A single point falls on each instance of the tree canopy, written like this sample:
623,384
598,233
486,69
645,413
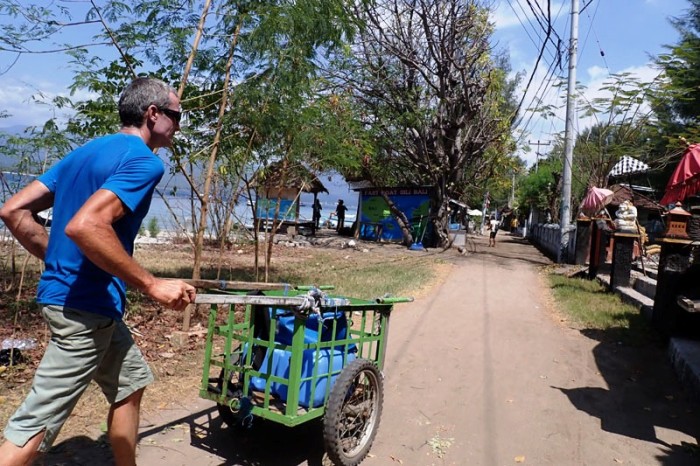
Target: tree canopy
425,83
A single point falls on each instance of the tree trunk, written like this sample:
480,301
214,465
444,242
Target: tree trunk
187,314
199,239
401,219
440,208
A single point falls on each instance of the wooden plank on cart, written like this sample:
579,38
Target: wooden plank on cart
690,305
250,299
236,285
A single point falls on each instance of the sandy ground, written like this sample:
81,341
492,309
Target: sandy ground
482,371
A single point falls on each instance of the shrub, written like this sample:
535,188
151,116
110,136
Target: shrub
153,228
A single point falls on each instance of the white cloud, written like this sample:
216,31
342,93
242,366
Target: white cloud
504,17
595,72
28,101
512,13
594,78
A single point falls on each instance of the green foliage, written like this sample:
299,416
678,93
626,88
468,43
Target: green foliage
623,126
153,228
676,100
679,107
541,187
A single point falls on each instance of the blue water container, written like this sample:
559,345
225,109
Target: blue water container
327,372
285,327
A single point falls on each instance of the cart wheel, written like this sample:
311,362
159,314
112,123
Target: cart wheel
353,411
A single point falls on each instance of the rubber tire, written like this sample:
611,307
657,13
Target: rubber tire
343,392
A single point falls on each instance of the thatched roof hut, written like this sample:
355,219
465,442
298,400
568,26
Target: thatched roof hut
278,187
289,176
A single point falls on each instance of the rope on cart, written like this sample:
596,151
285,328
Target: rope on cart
311,303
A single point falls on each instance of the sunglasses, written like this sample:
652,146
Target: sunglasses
172,114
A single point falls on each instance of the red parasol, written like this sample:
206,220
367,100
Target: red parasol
685,180
595,200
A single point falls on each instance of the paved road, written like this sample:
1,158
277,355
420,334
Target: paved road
501,380
482,372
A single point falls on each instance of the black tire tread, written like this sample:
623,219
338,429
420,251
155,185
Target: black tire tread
334,408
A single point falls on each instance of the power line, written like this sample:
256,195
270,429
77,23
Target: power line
591,28
544,88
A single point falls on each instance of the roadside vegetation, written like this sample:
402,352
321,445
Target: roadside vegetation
590,307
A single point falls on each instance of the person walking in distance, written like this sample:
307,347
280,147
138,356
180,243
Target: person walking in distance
493,229
340,213
100,193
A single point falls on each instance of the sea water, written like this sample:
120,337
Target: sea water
173,213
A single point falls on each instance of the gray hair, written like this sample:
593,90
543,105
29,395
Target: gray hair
138,96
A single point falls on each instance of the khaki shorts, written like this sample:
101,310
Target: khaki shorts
84,346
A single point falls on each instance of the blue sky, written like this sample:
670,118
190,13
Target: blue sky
628,31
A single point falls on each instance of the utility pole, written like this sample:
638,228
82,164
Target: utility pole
537,151
565,213
528,225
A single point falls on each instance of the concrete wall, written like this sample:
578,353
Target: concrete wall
547,237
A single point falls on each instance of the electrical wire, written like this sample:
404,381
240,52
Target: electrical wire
548,31
591,28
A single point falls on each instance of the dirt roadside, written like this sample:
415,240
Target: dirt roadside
482,371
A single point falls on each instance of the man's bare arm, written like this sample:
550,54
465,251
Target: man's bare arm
91,229
19,216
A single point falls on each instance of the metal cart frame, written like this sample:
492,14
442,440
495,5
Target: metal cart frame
336,375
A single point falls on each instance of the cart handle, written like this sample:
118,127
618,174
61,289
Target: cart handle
282,301
251,286
393,300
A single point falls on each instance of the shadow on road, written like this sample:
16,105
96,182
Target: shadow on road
644,400
264,443
79,451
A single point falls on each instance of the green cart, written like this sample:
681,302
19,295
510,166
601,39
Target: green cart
293,354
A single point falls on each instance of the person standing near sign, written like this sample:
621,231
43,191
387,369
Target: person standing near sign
316,215
340,213
100,193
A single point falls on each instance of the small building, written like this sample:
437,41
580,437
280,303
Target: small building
375,221
278,188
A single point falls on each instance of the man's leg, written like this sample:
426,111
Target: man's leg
123,376
78,341
12,455
123,424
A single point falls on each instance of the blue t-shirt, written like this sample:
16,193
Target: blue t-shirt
122,164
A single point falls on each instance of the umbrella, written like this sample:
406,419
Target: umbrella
474,212
595,200
685,180
628,165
